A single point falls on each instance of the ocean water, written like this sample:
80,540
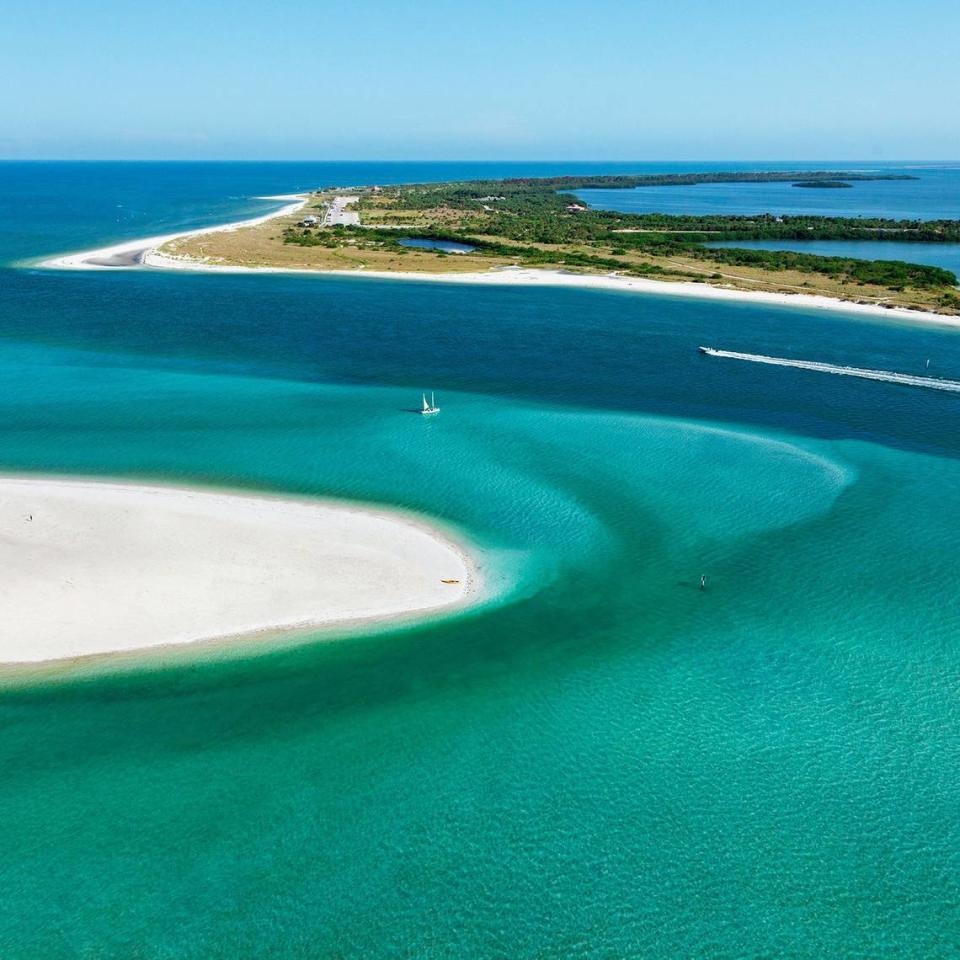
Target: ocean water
604,761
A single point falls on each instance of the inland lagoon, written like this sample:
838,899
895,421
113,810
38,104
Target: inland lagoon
446,246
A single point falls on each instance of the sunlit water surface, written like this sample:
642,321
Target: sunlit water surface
605,761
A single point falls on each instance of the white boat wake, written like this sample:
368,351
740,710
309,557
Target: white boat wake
887,376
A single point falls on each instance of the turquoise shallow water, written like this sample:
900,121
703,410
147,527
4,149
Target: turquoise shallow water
606,762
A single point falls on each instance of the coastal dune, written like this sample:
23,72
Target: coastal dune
94,568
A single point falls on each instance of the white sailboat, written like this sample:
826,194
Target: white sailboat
430,407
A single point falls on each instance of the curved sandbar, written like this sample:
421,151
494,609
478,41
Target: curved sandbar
132,253
93,568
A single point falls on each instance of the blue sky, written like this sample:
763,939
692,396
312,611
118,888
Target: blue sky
448,79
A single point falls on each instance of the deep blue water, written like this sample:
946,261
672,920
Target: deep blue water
607,763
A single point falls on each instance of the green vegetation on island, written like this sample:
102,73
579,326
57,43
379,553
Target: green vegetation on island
622,181
539,223
895,274
536,219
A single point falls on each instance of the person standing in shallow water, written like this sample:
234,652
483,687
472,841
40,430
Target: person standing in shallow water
703,581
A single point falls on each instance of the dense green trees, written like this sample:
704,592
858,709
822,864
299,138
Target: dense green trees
686,179
886,273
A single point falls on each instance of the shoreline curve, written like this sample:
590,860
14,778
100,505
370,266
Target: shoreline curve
99,568
135,252
144,253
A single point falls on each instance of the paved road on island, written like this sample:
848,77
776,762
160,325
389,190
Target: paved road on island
338,214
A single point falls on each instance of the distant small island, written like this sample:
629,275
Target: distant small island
631,181
824,184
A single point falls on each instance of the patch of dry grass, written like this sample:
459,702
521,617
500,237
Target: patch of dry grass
262,246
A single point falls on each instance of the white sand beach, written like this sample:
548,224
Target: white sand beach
522,276
534,277
96,567
132,253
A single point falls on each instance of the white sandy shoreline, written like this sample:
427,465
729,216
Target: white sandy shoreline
531,277
144,253
97,567
521,276
135,251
